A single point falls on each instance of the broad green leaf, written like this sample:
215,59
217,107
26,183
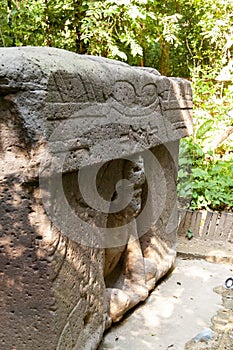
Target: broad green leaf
206,126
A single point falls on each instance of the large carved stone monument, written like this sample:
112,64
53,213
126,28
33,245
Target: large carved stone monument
88,217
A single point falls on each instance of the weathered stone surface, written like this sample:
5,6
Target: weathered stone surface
88,156
98,101
221,328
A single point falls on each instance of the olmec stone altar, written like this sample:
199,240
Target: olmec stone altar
88,224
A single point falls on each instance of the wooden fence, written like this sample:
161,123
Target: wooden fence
206,224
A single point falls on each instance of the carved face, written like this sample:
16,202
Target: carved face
134,100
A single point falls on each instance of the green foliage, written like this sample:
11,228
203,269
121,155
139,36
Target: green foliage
179,38
128,30
189,234
42,23
206,158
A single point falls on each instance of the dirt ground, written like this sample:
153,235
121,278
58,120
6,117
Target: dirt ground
188,301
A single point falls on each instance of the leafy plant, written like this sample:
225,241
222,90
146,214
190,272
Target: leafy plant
206,158
189,234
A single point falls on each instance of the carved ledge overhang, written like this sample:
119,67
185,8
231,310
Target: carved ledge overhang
81,105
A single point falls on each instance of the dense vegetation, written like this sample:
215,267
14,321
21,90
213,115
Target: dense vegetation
187,38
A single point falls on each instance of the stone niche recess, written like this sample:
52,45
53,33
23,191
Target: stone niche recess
88,217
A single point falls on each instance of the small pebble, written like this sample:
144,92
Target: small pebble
204,336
